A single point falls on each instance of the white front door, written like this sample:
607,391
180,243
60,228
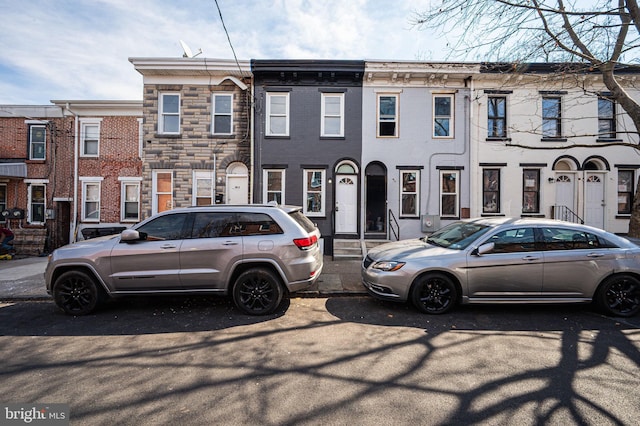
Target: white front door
594,200
237,189
565,196
346,204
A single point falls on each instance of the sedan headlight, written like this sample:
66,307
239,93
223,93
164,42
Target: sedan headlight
388,265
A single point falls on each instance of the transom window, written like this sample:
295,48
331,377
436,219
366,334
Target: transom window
169,113
222,114
497,117
332,115
277,112
443,116
387,115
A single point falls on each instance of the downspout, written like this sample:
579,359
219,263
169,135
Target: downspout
74,215
252,143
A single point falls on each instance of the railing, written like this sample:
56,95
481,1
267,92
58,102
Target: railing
566,214
395,230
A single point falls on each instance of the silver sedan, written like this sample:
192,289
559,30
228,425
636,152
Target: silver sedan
505,260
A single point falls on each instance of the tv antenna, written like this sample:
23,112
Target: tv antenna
187,51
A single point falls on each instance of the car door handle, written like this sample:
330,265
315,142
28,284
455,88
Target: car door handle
168,246
531,258
595,255
230,243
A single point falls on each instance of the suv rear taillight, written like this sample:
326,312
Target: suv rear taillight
305,243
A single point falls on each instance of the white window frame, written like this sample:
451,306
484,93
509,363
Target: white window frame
450,117
395,119
307,191
84,124
269,114
43,143
326,115
126,182
162,114
156,193
86,183
405,191
215,113
556,119
31,185
205,177
456,193
265,190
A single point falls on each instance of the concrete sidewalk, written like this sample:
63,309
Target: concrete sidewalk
23,279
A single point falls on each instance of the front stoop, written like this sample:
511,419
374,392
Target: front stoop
353,249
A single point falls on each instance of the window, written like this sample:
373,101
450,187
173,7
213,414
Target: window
449,189
90,135
36,204
203,188
215,224
409,185
162,191
570,239
514,241
222,114
443,116
169,119
625,191
606,118
277,114
531,191
314,192
274,186
497,117
91,201
3,201
491,191
387,115
130,205
551,118
37,142
332,115
167,227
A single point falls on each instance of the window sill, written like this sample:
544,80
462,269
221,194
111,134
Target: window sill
492,215
553,139
538,215
623,216
410,217
449,217
332,138
223,135
498,139
168,135
277,137
605,140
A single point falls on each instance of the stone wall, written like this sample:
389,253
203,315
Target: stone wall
29,241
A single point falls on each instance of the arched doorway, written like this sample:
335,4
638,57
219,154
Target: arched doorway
565,186
594,196
346,208
376,200
237,185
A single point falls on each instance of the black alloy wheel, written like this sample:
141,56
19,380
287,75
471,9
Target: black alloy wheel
619,296
76,293
434,293
257,291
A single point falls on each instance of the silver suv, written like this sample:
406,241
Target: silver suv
255,253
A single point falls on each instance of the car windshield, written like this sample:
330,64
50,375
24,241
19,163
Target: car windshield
457,236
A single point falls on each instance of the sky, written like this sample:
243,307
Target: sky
79,49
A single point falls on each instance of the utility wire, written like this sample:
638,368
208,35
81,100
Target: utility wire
228,38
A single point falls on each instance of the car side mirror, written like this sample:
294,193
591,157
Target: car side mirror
485,248
130,235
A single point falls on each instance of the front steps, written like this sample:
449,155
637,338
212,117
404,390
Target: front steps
353,249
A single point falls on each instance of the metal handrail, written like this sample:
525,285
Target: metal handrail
566,214
392,221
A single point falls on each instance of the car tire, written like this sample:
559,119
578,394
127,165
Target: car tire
76,293
257,291
434,293
619,296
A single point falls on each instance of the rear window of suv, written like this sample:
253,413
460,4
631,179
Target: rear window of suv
303,221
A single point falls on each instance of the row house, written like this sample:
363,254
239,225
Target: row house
308,140
196,132
548,141
64,170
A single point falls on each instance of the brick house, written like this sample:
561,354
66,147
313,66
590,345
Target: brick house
196,138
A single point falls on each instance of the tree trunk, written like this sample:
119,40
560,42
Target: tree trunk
634,222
